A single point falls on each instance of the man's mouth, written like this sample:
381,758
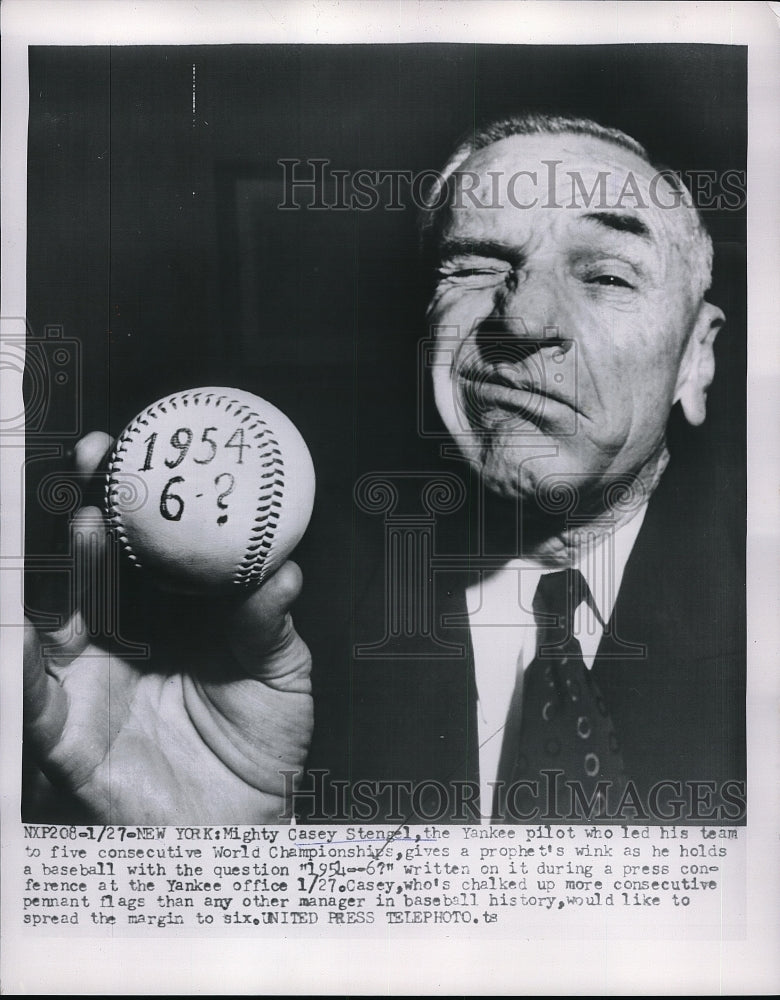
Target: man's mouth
508,387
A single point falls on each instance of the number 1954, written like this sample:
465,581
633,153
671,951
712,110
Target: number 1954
181,441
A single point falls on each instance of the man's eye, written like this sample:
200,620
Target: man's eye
610,280
469,272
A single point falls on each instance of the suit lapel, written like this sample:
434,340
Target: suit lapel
676,706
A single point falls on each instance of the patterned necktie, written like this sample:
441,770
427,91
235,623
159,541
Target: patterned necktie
565,724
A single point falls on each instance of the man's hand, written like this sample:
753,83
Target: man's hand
201,738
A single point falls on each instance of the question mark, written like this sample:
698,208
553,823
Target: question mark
222,519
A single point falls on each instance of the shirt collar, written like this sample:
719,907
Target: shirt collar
601,558
602,561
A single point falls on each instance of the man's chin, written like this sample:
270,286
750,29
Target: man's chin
545,484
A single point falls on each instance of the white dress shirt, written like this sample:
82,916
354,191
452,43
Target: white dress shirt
503,630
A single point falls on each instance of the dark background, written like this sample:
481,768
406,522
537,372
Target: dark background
156,245
135,211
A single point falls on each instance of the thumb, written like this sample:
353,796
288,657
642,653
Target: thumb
262,636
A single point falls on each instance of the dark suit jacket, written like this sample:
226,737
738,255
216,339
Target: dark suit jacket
671,667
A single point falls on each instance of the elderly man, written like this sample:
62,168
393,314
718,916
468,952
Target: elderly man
589,672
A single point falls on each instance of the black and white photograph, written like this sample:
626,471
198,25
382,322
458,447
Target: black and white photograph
349,234
384,415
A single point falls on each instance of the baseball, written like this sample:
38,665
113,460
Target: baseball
209,489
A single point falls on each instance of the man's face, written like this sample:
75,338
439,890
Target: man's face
562,328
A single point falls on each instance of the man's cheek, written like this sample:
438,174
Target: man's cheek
643,363
622,354
461,309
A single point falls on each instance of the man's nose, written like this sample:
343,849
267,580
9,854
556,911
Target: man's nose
526,318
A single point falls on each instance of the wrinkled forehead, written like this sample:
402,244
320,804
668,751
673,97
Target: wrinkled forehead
546,181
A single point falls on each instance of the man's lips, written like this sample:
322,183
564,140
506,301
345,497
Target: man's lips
508,387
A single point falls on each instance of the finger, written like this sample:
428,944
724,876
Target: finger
89,541
91,450
89,534
45,701
262,636
90,590
261,625
51,592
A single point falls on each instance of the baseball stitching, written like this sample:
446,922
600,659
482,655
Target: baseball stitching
253,567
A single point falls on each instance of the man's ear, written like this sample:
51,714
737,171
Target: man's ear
697,368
